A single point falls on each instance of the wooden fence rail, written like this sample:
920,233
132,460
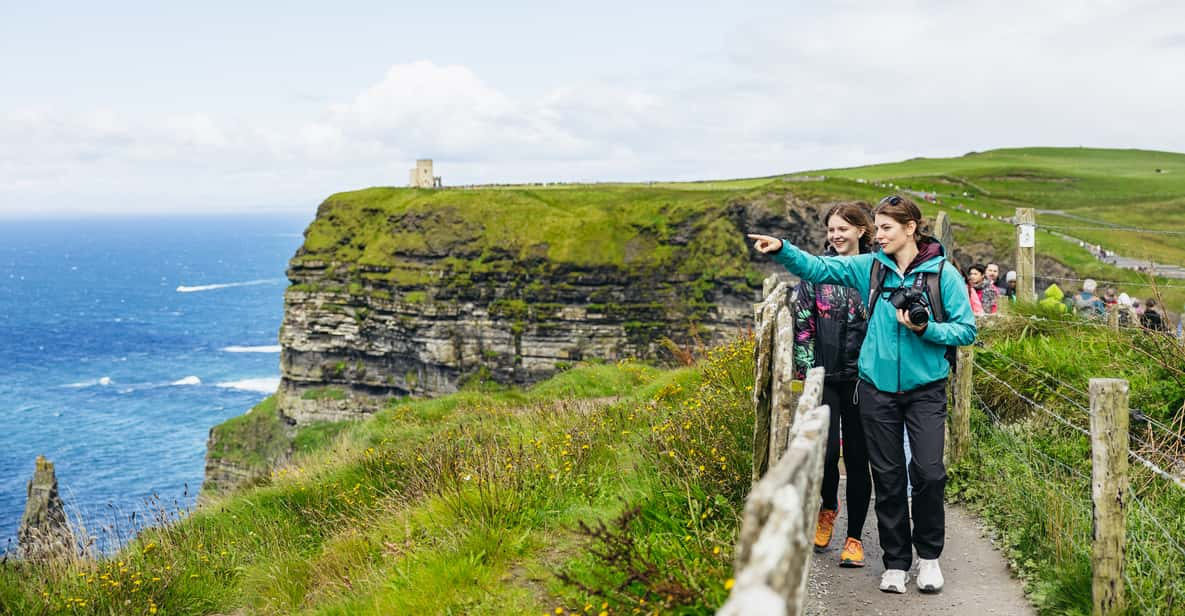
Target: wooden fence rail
774,546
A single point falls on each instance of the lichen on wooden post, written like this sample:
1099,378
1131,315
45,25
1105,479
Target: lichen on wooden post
946,236
785,392
1109,485
960,419
763,349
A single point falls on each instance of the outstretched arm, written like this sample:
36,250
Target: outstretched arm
847,271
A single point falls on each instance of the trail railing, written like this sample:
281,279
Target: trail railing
774,547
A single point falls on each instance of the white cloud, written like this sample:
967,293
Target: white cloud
858,82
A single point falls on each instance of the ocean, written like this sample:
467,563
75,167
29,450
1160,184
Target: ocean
123,341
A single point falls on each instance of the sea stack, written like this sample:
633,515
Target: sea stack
44,532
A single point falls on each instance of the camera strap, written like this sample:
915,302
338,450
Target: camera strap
929,283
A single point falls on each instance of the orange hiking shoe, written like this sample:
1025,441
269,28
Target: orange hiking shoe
853,554
824,528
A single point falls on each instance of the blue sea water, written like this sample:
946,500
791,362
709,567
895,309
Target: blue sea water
122,342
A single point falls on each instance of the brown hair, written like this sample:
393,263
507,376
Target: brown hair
858,215
903,210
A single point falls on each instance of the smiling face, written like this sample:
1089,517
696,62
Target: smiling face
843,235
993,272
892,235
974,276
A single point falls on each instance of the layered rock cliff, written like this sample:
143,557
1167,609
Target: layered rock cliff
399,292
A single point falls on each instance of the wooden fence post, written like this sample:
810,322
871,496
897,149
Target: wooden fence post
785,390
1109,481
1113,316
762,372
960,420
1026,255
946,237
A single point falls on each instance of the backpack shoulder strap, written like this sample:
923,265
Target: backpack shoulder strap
876,283
934,294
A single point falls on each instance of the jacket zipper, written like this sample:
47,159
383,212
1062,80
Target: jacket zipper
898,357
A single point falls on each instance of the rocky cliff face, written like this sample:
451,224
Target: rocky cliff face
44,532
438,312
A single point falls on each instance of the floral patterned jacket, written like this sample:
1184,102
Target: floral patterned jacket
829,326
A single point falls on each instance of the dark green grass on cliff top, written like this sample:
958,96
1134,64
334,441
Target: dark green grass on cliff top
615,226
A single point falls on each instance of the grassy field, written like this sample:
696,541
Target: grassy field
1133,188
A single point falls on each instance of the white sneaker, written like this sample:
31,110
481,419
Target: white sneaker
893,580
929,575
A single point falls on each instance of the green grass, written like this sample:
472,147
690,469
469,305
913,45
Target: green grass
325,393
464,504
1028,473
251,439
1120,187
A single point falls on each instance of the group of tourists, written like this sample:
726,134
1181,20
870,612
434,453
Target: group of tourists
879,312
1089,304
987,295
985,291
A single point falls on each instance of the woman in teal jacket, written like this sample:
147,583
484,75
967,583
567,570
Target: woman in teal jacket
902,372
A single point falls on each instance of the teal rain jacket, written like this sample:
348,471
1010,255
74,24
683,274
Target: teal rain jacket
893,358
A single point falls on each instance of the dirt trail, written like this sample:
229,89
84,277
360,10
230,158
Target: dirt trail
977,577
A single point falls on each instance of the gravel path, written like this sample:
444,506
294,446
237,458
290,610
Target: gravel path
978,580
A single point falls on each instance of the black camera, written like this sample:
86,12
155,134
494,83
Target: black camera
913,302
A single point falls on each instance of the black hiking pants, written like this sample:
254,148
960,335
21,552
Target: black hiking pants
845,413
922,412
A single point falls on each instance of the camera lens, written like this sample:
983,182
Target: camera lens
918,315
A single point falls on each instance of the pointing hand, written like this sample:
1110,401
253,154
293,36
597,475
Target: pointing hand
765,243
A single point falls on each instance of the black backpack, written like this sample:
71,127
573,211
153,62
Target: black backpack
930,283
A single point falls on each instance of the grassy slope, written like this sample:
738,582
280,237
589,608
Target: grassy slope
463,504
1120,187
1029,474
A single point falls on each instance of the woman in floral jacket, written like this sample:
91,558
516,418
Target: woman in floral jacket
829,326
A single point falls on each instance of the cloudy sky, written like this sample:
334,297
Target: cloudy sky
135,108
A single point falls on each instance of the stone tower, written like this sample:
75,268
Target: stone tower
421,176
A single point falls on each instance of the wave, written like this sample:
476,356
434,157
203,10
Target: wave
189,380
265,385
275,348
226,285
91,383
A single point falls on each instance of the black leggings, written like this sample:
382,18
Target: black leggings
846,413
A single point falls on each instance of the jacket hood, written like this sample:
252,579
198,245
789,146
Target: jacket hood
1054,292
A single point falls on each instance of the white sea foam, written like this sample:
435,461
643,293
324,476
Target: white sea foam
275,348
265,385
226,285
104,381
189,380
